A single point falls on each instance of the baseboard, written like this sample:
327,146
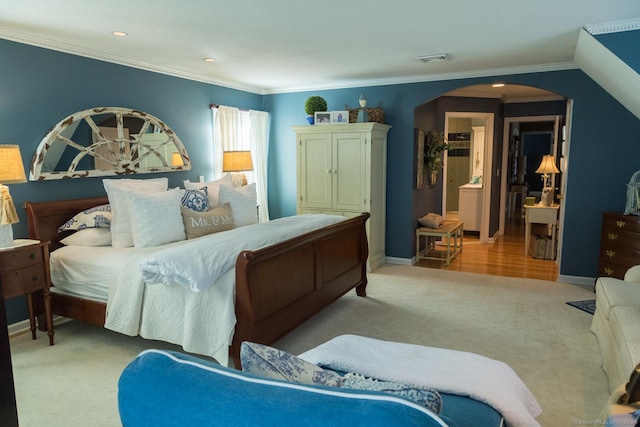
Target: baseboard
577,280
18,328
23,326
401,261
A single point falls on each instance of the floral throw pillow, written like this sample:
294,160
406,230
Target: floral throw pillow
426,397
196,200
272,363
95,217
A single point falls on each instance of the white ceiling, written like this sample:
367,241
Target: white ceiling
279,46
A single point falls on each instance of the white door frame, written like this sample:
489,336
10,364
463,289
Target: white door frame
487,168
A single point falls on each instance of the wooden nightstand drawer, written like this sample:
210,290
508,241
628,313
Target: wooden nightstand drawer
23,280
21,257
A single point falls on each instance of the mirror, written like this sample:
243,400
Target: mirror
108,141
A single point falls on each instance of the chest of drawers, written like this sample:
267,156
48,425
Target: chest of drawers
619,244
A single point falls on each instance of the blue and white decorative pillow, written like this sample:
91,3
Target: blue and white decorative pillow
426,397
272,363
196,200
96,217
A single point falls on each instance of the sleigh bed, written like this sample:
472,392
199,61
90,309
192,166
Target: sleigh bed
277,287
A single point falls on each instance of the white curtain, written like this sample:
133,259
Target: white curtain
228,136
259,139
225,135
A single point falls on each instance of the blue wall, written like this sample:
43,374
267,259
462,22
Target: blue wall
624,45
604,154
39,87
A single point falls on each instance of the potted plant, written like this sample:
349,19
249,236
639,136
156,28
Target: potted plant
313,104
434,146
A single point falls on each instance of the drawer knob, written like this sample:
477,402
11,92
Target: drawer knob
612,236
32,256
621,224
611,254
34,278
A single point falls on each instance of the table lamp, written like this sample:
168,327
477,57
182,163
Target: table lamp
11,172
237,161
546,168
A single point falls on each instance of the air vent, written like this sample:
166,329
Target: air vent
433,58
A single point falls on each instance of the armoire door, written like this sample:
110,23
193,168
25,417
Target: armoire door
315,171
350,176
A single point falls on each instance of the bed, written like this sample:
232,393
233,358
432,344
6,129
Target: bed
277,287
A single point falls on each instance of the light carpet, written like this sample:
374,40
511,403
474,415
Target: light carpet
525,323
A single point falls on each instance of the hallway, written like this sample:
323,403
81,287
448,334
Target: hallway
504,257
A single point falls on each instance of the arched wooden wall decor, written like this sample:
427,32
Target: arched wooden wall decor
108,141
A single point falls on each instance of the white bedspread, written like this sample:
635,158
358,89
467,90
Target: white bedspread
449,371
196,264
201,322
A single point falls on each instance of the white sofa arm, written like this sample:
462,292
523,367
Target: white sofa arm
633,274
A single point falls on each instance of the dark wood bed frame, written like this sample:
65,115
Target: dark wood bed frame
277,287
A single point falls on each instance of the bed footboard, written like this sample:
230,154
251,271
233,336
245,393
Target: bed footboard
281,286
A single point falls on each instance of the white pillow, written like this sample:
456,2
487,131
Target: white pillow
89,237
117,190
213,188
156,218
243,203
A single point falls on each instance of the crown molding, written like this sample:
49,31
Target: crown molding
540,68
107,57
114,59
613,27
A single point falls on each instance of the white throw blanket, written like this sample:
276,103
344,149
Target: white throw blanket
202,322
449,371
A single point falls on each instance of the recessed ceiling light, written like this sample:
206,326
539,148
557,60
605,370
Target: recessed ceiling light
497,85
433,58
119,33
209,60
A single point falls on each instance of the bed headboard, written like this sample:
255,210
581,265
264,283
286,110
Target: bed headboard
44,218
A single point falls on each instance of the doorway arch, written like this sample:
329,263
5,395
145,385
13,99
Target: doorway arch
512,100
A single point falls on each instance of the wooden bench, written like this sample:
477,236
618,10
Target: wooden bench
447,231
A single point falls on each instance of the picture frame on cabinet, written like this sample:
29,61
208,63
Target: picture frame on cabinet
322,117
339,117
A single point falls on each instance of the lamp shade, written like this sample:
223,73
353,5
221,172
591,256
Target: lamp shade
176,159
11,167
237,161
548,165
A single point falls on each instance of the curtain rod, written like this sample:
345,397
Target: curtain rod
217,105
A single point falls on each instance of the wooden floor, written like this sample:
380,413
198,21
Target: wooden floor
504,257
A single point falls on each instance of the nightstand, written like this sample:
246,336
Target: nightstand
24,269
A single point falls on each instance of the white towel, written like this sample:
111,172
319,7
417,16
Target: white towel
449,371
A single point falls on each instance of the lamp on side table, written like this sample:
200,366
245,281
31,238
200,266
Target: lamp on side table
11,172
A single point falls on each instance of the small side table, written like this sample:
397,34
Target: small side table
24,269
448,230
540,214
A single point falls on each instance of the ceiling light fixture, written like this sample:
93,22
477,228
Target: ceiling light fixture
119,33
209,60
433,58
